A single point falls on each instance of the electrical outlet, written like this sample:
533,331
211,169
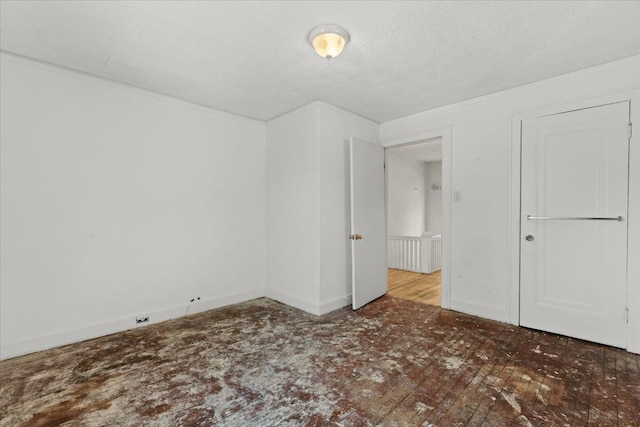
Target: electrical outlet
142,318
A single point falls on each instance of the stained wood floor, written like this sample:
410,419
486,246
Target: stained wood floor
422,288
394,362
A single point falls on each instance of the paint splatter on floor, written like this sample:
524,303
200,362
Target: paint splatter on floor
261,363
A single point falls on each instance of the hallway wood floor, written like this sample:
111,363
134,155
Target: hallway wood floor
394,362
418,287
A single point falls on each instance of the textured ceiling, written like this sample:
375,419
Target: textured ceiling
253,58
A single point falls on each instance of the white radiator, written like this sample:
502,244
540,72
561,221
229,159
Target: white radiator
419,254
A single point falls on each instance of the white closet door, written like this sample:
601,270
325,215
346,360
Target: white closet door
575,175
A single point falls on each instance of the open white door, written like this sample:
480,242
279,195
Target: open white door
368,226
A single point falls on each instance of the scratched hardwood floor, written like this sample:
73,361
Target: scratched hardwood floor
418,287
395,362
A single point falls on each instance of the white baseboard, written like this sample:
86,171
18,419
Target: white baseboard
335,304
293,302
307,306
31,345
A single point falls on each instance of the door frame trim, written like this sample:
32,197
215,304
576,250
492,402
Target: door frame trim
633,269
445,133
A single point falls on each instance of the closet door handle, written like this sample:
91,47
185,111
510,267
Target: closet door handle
573,218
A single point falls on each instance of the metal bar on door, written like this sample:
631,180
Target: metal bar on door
572,218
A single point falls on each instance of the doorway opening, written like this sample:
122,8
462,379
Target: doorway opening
414,194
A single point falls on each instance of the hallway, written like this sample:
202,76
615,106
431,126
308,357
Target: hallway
422,288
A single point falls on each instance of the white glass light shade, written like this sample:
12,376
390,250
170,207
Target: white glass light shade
328,40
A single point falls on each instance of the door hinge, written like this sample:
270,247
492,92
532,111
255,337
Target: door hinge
626,315
630,129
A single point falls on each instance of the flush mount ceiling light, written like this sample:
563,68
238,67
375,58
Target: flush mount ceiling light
328,40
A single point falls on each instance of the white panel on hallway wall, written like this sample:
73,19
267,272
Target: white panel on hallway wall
414,196
118,202
406,182
433,197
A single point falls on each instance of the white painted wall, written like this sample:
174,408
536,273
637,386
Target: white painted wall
482,251
293,208
336,127
413,206
308,254
118,202
433,197
406,194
